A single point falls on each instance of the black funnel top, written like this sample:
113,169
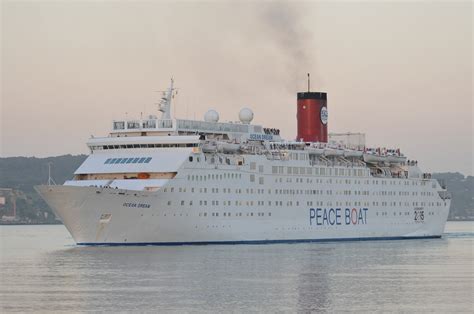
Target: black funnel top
312,95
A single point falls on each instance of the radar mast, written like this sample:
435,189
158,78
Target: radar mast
165,102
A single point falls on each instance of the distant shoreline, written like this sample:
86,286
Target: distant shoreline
19,223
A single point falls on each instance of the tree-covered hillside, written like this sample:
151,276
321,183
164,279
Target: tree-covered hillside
22,173
462,190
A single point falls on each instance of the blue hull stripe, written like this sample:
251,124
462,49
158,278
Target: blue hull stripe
255,241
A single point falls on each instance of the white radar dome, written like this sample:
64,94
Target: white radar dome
246,115
211,116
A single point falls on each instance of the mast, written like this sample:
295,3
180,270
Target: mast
165,103
309,83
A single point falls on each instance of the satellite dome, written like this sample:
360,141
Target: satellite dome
211,116
246,115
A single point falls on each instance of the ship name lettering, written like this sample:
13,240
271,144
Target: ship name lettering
336,216
136,205
261,137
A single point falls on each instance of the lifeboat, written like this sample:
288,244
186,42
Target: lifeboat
315,149
209,147
395,157
353,153
333,151
227,147
374,158
374,155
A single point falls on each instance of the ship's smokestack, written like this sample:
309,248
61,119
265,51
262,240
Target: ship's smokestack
312,116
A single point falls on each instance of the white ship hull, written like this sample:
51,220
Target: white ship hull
97,216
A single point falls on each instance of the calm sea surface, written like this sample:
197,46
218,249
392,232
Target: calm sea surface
42,270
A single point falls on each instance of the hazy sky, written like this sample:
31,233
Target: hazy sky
401,72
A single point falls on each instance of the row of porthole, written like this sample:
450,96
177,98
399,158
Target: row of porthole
227,214
214,176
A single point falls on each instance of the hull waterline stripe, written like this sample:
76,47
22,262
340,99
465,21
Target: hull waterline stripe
254,241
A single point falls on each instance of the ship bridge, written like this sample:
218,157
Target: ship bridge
159,127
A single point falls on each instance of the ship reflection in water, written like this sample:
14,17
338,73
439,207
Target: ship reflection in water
39,274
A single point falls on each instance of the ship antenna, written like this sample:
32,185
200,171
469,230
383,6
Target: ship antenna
309,81
165,103
50,178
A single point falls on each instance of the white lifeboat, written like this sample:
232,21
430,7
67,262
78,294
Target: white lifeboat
209,147
394,156
315,149
228,147
374,156
353,153
333,151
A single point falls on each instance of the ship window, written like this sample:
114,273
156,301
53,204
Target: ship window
107,161
124,160
129,160
147,160
119,125
135,160
141,160
118,161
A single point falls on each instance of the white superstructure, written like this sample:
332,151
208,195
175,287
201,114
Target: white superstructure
175,181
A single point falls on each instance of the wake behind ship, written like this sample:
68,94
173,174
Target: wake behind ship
176,181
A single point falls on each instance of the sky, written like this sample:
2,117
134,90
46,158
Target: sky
400,72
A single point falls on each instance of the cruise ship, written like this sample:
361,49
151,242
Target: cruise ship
166,181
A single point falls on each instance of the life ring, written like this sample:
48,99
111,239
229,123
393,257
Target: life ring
143,175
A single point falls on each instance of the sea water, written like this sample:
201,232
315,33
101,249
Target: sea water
41,269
